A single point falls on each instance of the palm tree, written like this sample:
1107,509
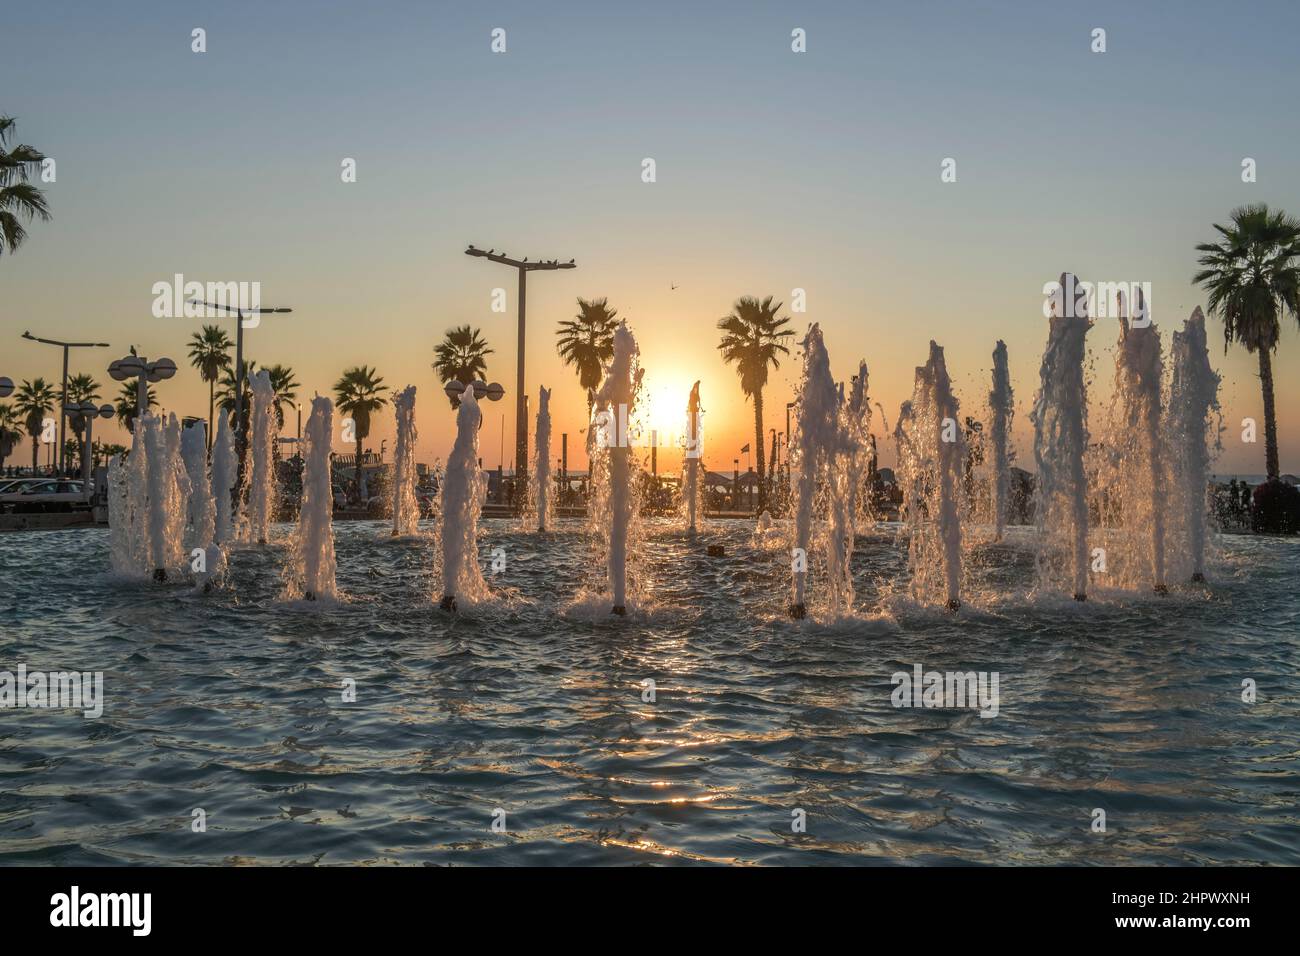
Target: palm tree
284,388
225,394
18,197
33,401
587,342
1253,279
81,388
9,433
753,338
210,353
461,357
126,404
358,393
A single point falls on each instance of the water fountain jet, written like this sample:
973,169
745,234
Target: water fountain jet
817,404
617,399
406,508
461,498
1060,417
541,477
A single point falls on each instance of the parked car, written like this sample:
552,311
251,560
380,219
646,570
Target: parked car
47,495
12,485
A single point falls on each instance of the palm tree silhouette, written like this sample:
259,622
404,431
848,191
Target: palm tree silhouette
587,342
209,353
81,388
33,401
1253,279
752,340
284,388
461,357
358,393
9,433
125,405
18,197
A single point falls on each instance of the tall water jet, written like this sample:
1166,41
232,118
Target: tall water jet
816,432
617,399
201,520
1002,405
406,508
224,474
541,477
313,561
931,450
691,456
164,516
1060,418
844,486
1139,368
461,498
261,488
1193,398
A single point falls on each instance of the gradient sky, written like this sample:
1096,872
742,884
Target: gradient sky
776,170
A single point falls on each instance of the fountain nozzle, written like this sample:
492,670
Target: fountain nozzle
159,575
1081,597
798,612
448,603
1198,578
309,596
619,609
1161,589
953,604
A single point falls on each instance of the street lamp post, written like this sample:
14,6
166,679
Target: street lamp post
521,416
241,435
63,393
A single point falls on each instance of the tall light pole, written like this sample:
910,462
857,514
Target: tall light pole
521,414
63,394
241,435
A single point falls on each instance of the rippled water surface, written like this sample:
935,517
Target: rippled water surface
232,702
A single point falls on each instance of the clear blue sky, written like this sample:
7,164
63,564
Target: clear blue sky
775,170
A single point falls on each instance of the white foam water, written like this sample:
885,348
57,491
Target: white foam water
844,486
540,481
224,474
692,454
1193,439
617,400
312,563
1136,446
406,507
816,434
1060,418
461,498
200,513
261,488
931,451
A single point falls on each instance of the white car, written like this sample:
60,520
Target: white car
51,494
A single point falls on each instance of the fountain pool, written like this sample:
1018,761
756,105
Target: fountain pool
232,701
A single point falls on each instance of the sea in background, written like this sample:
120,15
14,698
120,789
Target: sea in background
533,704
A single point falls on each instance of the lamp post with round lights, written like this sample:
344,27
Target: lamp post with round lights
494,392
144,371
87,412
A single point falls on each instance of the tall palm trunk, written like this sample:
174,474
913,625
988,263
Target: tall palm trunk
359,466
212,400
758,445
1270,414
35,453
